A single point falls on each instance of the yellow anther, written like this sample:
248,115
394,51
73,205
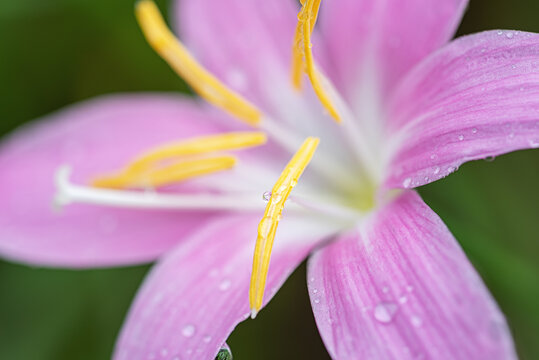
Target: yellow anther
169,174
196,146
303,59
205,84
268,225
164,165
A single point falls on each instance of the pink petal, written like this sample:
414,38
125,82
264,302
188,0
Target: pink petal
385,37
400,287
246,43
195,297
94,137
475,98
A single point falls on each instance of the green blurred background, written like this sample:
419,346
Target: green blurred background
58,52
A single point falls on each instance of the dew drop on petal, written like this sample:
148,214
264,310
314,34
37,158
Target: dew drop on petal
164,352
409,288
416,321
266,196
407,182
534,143
509,35
474,131
317,301
224,353
384,312
206,339
499,32
461,137
436,170
315,291
225,285
490,158
403,299
188,330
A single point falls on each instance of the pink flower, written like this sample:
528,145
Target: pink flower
386,278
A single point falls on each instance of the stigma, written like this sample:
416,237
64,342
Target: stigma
267,227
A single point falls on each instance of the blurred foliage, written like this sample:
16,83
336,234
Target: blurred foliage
58,52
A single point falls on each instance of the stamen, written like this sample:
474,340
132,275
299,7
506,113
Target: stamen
161,165
298,63
205,84
303,56
197,146
166,175
268,225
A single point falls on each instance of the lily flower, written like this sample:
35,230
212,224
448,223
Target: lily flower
338,122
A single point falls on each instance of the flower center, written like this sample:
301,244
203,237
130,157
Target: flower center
176,162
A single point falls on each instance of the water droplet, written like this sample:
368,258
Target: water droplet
426,178
164,352
474,131
407,182
237,79
433,156
266,196
264,227
403,299
451,169
416,321
509,35
275,198
315,291
188,330
384,312
206,339
409,288
534,143
224,354
490,158
461,137
436,170
311,279
225,285
317,301
499,32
